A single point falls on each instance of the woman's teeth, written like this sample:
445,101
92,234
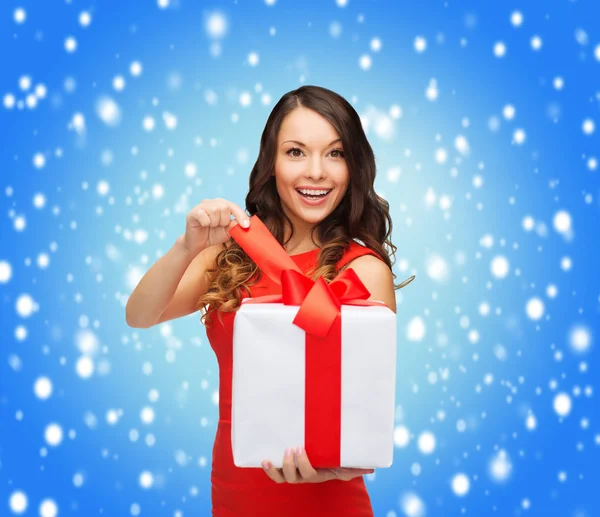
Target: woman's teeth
313,194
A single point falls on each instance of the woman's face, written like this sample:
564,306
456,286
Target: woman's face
310,160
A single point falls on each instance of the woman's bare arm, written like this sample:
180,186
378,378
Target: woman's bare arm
377,277
171,287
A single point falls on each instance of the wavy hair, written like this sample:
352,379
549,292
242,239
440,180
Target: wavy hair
361,214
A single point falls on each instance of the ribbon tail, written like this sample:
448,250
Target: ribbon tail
262,247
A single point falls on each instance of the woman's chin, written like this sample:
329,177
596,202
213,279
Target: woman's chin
312,216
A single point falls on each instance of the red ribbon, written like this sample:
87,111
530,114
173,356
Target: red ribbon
320,317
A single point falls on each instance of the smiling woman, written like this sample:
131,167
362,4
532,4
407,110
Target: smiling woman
313,188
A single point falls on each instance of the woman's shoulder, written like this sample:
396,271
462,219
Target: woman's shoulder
356,249
373,271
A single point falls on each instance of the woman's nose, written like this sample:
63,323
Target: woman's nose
315,169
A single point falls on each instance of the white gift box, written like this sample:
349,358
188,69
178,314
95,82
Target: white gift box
268,390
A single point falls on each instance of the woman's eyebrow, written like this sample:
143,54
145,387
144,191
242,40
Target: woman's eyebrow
304,145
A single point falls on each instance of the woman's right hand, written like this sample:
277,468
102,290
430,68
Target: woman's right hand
298,469
207,223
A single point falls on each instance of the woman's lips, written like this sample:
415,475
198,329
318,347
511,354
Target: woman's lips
314,202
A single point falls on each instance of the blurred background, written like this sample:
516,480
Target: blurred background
117,117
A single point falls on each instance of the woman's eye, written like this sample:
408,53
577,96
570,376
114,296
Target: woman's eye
340,153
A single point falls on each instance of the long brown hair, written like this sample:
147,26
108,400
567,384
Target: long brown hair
361,214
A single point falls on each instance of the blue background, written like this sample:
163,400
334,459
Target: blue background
470,379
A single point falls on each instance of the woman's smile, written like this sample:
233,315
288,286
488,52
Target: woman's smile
313,196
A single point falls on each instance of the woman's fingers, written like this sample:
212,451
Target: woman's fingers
232,223
289,466
203,217
287,474
218,212
306,469
215,218
240,215
224,215
348,473
272,472
298,469
212,208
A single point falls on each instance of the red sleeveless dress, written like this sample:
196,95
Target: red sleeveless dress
247,492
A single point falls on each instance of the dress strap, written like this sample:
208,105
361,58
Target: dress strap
356,250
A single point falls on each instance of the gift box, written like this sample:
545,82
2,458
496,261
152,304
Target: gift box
314,366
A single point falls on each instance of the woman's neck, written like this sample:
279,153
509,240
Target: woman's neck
301,240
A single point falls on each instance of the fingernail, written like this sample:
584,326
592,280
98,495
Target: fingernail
245,223
289,451
266,465
299,451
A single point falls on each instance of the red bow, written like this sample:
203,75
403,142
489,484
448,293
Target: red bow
320,303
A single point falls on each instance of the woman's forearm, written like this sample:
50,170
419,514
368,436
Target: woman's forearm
157,287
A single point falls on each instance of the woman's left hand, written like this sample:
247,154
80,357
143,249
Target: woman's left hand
305,473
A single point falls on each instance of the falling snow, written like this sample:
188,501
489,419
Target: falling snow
485,134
